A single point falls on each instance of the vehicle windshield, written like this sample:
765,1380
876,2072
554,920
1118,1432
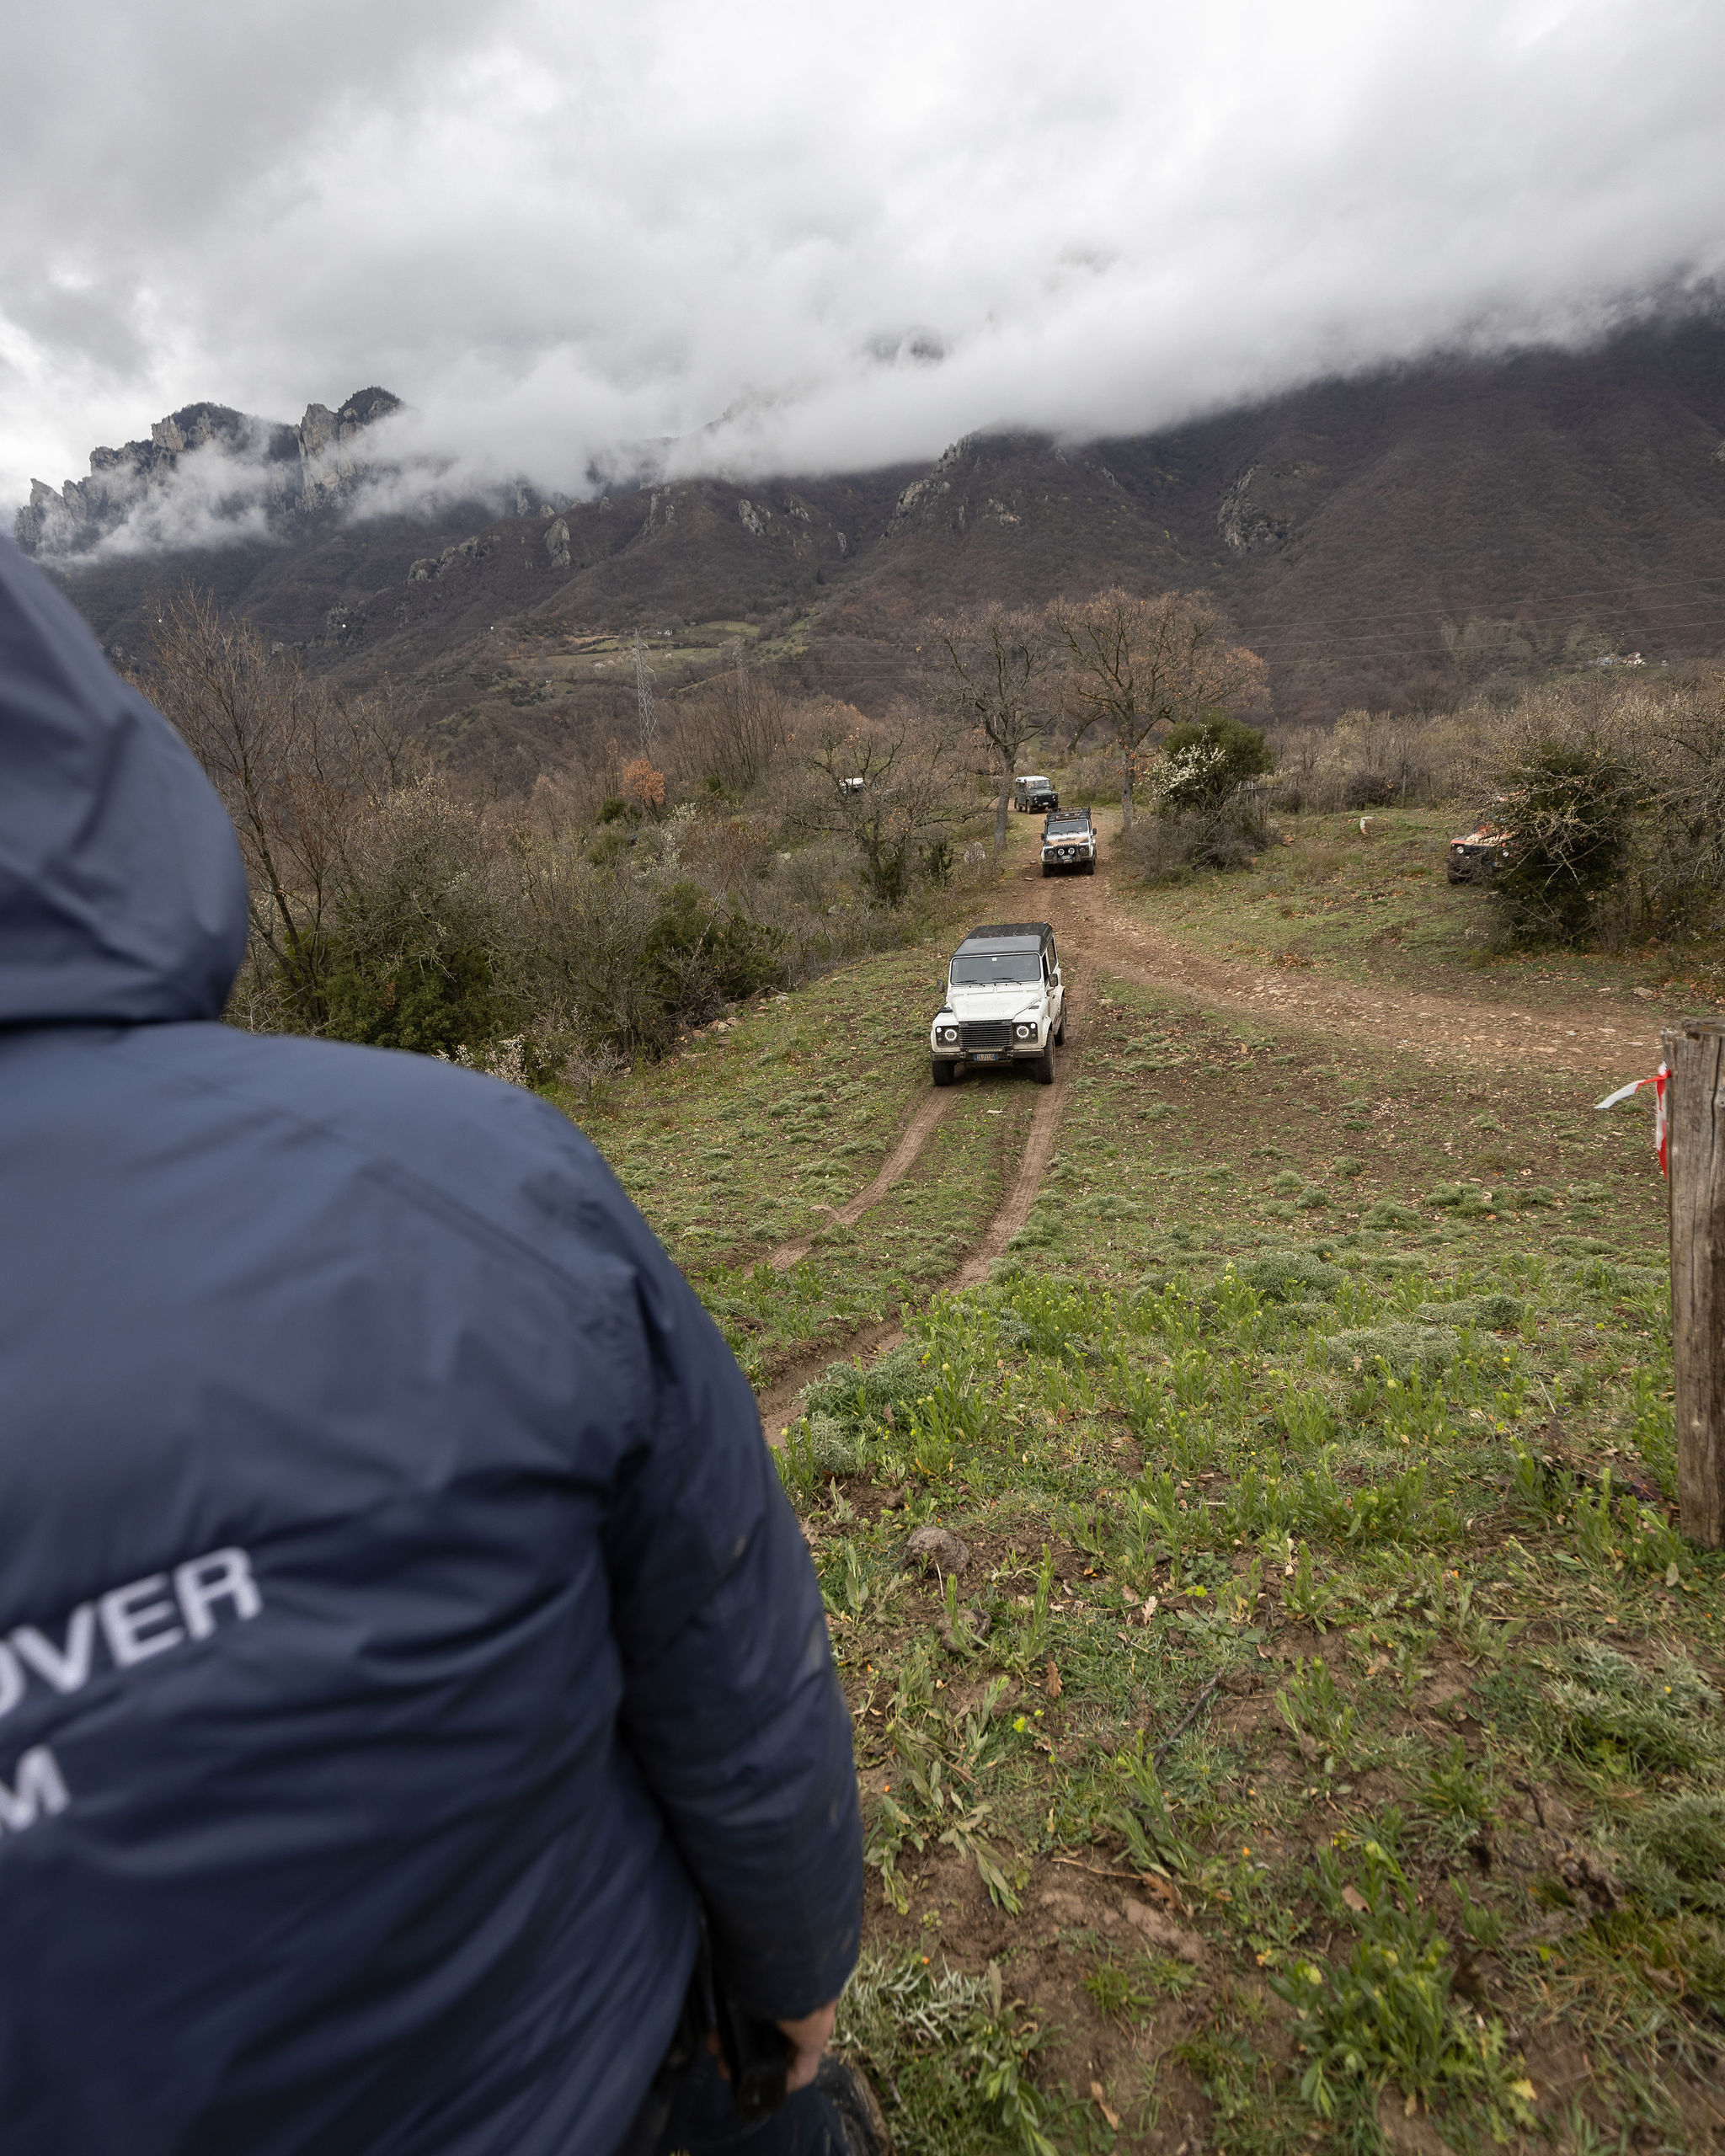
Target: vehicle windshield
1059,827
996,969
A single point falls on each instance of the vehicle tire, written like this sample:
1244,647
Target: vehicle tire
1090,867
1043,1065
1046,870
1060,1030
941,1071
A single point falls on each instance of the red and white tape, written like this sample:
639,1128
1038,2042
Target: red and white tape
1660,1078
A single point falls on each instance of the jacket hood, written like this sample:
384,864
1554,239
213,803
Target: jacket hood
122,894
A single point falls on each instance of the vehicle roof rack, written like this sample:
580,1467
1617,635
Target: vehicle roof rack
1009,931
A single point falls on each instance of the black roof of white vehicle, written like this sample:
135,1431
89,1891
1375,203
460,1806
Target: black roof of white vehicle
1009,935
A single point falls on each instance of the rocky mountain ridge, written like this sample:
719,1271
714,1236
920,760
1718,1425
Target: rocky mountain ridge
277,466
1392,539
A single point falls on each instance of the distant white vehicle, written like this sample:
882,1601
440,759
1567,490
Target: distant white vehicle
1006,1002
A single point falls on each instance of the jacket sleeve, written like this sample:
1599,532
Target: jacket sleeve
732,1705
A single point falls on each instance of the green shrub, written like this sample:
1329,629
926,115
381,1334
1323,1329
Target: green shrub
411,948
1048,1316
836,1448
1664,1719
1428,1349
1289,1276
1571,809
1205,762
817,1446
852,1399
698,954
1387,1214
434,1000
1497,1312
1494,1312
1204,817
1674,1856
948,2054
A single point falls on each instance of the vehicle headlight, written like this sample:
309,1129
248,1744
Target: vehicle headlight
949,1035
1025,1030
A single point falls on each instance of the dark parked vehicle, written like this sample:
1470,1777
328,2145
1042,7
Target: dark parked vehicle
1034,795
1476,858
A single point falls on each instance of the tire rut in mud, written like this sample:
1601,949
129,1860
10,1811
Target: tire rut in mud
912,1138
780,1396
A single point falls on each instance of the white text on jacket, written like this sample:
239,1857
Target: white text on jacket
144,1618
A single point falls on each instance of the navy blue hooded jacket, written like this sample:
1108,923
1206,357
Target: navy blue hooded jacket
401,1622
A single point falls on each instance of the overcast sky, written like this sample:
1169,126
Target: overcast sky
847,236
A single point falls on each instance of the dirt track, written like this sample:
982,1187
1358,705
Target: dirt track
916,1134
1014,1209
1052,902
1615,1035
1097,936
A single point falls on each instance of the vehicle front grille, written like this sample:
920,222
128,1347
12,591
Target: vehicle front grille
986,1034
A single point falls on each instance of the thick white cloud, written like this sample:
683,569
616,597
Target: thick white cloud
563,234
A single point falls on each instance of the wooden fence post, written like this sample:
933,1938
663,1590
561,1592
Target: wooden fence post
1695,1054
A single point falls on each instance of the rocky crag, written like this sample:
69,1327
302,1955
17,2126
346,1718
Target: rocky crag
256,469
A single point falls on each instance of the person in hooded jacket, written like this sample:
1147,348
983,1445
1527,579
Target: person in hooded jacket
403,1637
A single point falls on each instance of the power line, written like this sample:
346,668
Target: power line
644,679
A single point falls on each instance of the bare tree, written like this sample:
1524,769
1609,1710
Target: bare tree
732,726
1134,666
1687,783
989,666
889,785
296,763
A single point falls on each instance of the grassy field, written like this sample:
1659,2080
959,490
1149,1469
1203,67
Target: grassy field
1299,1725
1374,905
751,1137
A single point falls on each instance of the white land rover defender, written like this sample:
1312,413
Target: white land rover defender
1069,841
1004,1002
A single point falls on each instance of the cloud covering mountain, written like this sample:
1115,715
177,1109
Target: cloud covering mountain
764,237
